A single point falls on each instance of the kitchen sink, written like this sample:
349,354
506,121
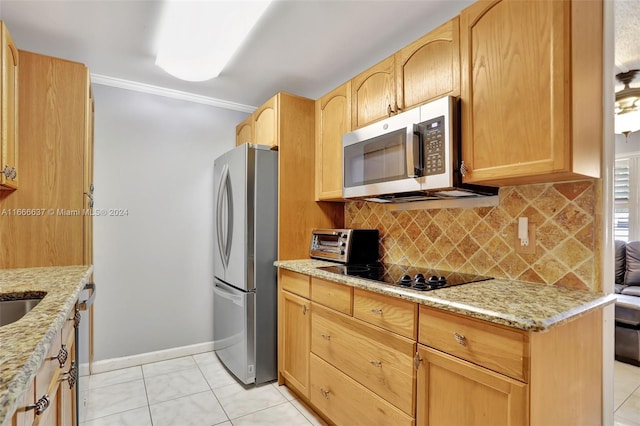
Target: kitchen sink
12,310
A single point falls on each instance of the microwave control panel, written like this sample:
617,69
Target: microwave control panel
434,146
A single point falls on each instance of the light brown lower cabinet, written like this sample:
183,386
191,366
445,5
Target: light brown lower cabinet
51,398
394,362
295,323
456,392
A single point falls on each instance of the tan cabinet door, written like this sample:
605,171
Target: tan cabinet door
373,93
523,63
295,333
265,123
333,119
244,131
429,68
9,121
455,392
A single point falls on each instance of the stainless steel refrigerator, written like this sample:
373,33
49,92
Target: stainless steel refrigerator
245,283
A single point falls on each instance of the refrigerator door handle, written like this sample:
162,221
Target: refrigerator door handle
226,294
224,222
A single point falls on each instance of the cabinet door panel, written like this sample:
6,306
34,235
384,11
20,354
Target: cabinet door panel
333,119
295,325
429,67
455,392
514,58
9,125
265,123
373,92
244,131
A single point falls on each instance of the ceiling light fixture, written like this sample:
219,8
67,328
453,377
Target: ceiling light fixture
627,105
198,38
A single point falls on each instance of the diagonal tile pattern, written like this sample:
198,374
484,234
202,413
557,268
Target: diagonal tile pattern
481,240
188,391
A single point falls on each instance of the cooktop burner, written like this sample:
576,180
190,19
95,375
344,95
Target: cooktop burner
416,278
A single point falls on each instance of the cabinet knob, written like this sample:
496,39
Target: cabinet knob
63,354
71,376
417,360
40,406
463,169
389,110
304,309
326,336
325,393
376,363
76,319
376,311
460,339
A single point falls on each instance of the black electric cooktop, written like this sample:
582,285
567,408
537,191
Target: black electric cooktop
417,278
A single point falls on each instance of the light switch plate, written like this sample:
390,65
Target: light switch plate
531,247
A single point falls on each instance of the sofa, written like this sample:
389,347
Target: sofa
627,310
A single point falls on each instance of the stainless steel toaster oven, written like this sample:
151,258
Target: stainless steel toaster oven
345,245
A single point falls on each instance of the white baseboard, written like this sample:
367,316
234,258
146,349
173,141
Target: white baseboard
145,358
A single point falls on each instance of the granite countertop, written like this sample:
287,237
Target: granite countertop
521,305
25,343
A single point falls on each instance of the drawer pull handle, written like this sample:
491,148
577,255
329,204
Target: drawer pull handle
376,363
460,339
63,354
304,309
76,319
71,376
40,406
326,336
377,311
325,393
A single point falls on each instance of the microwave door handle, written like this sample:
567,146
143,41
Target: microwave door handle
414,160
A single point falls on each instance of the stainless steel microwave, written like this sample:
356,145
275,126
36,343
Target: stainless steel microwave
410,156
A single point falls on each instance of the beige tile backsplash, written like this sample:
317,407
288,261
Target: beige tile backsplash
482,240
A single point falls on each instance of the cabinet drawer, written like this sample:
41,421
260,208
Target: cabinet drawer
50,366
334,295
390,313
68,335
496,348
380,360
295,283
346,402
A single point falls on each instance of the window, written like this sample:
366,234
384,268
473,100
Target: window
626,214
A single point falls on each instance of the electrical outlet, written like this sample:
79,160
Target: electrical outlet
529,248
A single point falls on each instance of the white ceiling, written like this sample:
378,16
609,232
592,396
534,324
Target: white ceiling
305,47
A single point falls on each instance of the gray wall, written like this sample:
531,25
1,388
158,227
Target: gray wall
154,265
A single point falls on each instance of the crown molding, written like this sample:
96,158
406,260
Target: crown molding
169,93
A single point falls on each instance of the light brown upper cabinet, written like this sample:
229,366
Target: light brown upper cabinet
9,119
244,131
426,69
429,67
531,89
333,119
265,123
373,93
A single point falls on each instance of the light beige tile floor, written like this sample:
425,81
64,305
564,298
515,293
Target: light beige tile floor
189,391
198,391
626,394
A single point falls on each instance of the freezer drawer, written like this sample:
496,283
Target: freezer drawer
234,330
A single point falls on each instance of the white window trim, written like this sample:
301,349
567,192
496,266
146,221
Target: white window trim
634,193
